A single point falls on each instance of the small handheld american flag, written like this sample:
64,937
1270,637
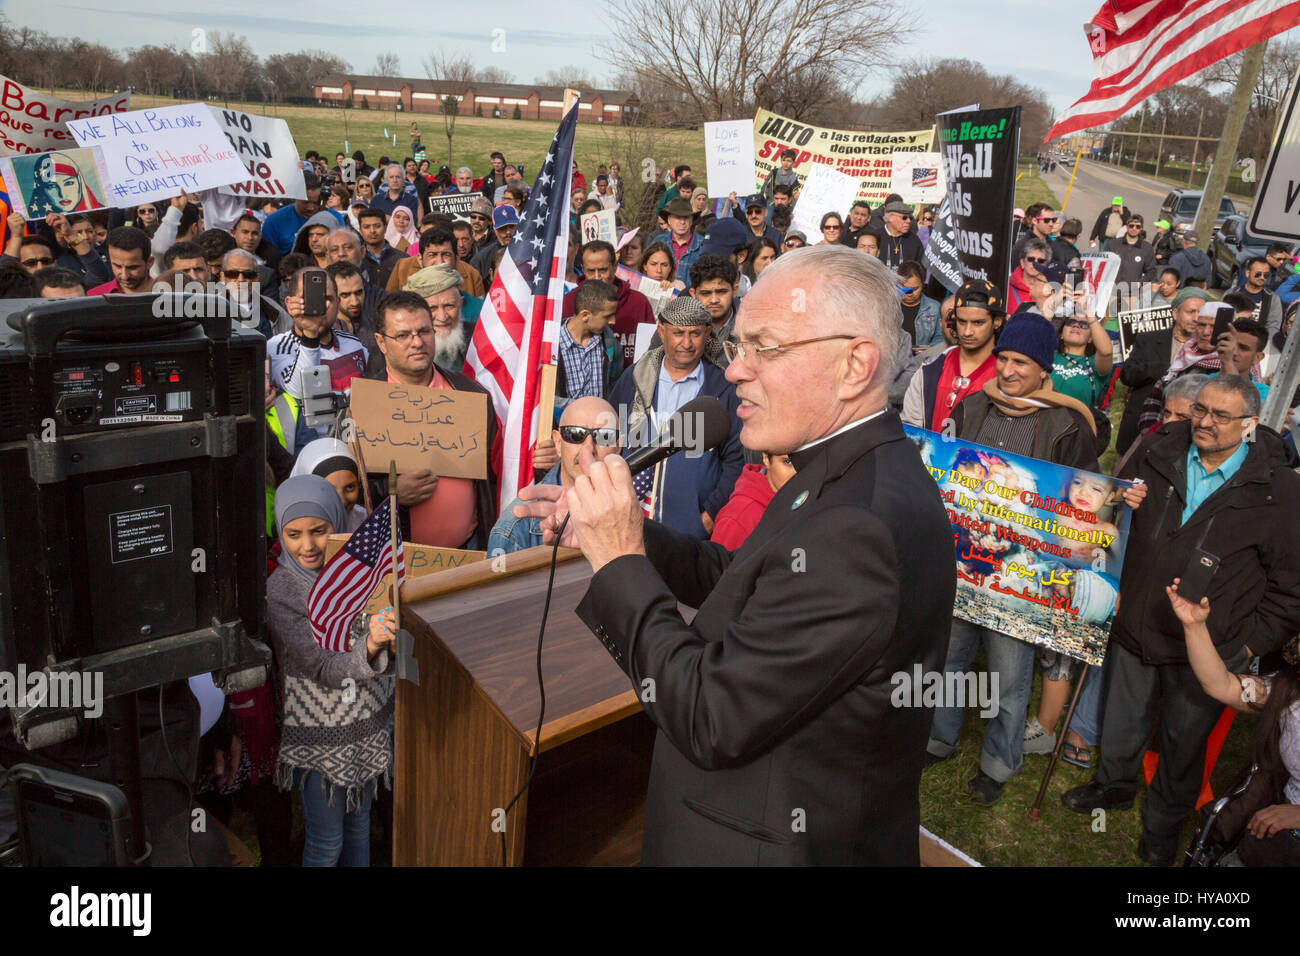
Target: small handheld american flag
351,576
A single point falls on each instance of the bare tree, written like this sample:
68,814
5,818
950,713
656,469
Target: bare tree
98,67
296,74
726,56
494,74
387,64
458,73
155,69
229,66
574,77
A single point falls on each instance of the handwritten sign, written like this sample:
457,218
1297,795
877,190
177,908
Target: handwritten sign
1039,547
1132,324
729,157
825,190
266,147
154,154
420,560
66,181
918,177
435,428
36,122
601,225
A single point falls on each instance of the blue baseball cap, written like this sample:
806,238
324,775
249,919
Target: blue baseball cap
725,236
504,215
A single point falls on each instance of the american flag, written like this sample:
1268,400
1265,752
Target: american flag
925,177
1142,46
345,584
643,483
517,330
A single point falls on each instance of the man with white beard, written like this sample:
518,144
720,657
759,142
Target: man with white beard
439,286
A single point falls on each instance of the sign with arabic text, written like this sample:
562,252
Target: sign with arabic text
439,429
1039,547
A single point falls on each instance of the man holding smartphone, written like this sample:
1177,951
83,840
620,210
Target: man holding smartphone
1222,507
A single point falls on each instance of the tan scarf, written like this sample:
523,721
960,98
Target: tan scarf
1017,406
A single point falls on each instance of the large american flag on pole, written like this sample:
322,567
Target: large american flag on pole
345,584
518,328
1142,46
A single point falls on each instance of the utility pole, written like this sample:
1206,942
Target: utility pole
1160,150
1196,145
1226,153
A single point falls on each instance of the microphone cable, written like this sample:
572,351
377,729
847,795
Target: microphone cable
541,689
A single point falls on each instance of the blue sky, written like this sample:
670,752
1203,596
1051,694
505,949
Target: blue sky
1041,42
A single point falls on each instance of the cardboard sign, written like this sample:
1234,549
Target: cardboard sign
154,154
67,181
825,190
867,157
266,147
457,206
439,429
602,225
1099,271
36,122
729,157
419,559
1132,324
918,177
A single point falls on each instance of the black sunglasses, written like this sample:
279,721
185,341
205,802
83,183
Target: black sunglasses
577,434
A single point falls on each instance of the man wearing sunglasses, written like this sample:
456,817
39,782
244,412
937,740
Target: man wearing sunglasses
1045,224
1137,261
1217,485
897,242
778,743
589,424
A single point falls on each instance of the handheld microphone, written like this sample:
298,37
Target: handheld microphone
700,425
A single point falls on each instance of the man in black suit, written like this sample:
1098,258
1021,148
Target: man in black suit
777,742
1149,359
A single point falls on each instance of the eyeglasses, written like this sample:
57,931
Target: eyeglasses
1076,323
577,434
1035,261
736,350
1049,218
830,228
1135,225
1220,417
249,274
404,338
903,215
959,385
43,261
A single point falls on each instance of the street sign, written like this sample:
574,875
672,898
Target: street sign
1277,202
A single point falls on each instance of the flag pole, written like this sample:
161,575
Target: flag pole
1074,169
394,537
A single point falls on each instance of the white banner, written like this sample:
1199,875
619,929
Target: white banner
266,147
36,122
729,157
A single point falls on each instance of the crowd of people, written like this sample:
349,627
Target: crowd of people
1030,368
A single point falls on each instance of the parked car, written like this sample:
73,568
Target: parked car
1179,207
1229,249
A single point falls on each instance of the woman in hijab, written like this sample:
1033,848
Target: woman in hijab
332,460
401,234
337,727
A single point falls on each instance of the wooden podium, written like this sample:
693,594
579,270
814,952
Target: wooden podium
464,736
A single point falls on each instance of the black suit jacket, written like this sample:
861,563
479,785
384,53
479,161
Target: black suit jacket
777,742
1146,364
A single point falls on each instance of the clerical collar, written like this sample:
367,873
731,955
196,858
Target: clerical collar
804,453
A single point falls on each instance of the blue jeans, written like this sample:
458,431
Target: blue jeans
333,834
1013,662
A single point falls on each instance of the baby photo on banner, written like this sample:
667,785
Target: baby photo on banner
1038,546
67,181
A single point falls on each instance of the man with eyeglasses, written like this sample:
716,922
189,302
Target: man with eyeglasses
1027,279
33,254
1218,486
442,512
480,222
940,384
240,272
773,704
589,424
897,243
1137,260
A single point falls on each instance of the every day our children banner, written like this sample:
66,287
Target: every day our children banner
1038,547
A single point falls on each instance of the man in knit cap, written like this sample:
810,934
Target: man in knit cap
687,491
1017,411
439,286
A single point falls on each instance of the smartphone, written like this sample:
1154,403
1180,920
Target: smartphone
66,820
1196,577
1222,322
313,291
1075,276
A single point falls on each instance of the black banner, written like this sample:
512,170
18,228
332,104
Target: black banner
941,252
456,205
979,156
1132,324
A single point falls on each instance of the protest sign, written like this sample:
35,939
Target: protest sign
652,289
867,157
1038,547
825,190
602,225
266,147
35,122
419,560
1133,324
1099,272
941,251
979,157
918,177
645,334
456,205
154,154
435,428
729,157
67,181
